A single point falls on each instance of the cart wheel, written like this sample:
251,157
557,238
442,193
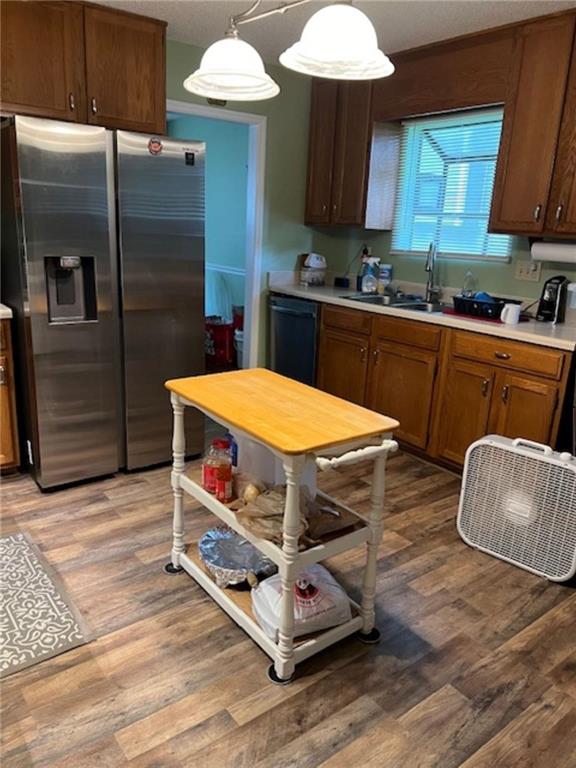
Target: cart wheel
171,568
273,677
370,638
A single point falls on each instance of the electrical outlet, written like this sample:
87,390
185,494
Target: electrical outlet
528,270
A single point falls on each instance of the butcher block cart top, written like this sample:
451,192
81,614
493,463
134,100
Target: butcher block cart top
301,426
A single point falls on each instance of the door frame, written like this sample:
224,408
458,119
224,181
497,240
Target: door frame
254,212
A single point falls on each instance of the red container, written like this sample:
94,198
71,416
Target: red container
238,317
219,343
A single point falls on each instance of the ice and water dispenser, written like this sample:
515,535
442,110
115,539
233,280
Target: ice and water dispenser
71,287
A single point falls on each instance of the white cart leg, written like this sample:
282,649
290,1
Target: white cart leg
369,633
283,669
178,453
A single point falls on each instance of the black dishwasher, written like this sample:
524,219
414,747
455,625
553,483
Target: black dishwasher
293,333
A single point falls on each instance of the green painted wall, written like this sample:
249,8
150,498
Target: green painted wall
226,180
341,245
284,234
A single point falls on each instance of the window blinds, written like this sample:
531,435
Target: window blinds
447,167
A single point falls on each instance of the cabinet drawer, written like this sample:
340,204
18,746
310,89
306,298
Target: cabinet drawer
509,354
409,332
351,320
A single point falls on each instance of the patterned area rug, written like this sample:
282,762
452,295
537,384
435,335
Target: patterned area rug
37,618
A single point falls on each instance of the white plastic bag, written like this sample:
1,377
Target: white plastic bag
319,602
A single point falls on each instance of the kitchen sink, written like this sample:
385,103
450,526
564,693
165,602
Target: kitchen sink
411,303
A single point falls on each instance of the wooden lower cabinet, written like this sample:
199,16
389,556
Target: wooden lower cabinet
9,454
485,384
464,408
343,364
401,385
524,406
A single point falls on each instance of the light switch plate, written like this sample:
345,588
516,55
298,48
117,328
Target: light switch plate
528,270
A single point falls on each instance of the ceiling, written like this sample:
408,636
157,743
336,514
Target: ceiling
400,24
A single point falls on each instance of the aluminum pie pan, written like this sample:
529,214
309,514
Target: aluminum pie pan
230,558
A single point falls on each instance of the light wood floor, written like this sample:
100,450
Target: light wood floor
477,666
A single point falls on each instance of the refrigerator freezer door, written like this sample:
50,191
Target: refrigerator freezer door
66,172
161,231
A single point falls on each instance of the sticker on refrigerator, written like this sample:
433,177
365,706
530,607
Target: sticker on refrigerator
155,147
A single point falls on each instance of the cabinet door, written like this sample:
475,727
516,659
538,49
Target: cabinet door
524,407
531,125
43,59
342,365
321,151
125,70
351,153
8,450
561,216
464,408
401,386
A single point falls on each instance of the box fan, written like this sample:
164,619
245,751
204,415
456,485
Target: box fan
518,503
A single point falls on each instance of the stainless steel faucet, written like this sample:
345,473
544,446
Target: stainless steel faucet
432,292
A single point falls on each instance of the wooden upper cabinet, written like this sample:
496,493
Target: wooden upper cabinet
42,59
351,153
561,215
338,152
125,70
401,385
524,407
323,103
531,125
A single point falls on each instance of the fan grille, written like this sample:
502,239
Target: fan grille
521,508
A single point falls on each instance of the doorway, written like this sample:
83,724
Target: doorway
227,281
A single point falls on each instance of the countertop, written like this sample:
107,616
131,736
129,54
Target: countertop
547,335
5,312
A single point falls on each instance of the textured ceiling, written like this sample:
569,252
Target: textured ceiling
400,23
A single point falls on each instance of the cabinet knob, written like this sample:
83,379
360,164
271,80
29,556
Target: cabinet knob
362,354
537,212
93,106
376,356
334,207
502,355
71,102
485,387
505,392
324,207
3,375
559,210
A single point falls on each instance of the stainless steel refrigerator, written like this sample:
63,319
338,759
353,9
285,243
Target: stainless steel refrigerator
103,265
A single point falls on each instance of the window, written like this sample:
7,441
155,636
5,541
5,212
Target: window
447,167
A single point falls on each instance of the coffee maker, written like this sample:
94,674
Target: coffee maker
552,304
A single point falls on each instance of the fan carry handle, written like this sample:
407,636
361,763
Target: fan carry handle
545,449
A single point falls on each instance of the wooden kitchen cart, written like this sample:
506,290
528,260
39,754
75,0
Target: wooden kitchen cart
301,426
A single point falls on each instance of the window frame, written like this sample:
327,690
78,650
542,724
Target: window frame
407,177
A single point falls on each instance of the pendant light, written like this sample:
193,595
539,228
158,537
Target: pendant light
232,70
338,42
